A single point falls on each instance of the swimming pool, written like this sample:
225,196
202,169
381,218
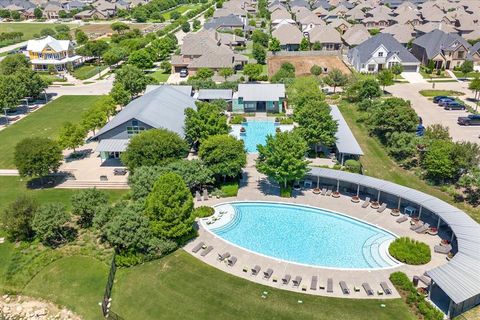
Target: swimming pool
256,133
304,235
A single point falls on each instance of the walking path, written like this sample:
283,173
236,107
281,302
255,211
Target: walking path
9,172
13,46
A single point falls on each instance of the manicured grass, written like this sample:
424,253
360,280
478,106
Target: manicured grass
45,122
76,282
6,250
434,74
472,74
433,93
28,29
229,189
87,71
50,78
160,76
180,286
181,9
377,163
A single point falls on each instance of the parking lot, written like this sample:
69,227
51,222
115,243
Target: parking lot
431,113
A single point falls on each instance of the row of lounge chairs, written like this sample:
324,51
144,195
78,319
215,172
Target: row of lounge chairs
201,245
199,197
326,192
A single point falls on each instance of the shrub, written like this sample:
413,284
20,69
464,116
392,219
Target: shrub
237,119
203,212
286,120
229,189
354,166
410,251
286,192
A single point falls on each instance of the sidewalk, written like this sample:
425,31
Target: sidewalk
9,172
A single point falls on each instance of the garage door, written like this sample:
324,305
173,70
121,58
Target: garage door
409,68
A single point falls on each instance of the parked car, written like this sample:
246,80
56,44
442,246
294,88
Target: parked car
470,120
183,73
443,102
437,99
455,105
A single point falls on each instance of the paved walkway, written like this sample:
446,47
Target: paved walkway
255,187
9,172
413,77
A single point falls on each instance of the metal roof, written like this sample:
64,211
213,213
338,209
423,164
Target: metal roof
459,278
182,88
215,94
112,145
261,91
346,142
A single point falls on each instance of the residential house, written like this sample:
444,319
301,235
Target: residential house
52,52
278,22
378,20
355,35
381,52
432,13
320,12
230,22
225,12
280,14
91,14
209,95
310,21
355,14
289,36
161,108
51,10
430,26
328,37
340,24
475,51
446,50
255,97
402,33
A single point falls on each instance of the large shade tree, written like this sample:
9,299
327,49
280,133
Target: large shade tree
37,157
17,218
208,120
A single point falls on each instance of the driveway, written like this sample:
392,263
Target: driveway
175,78
413,77
433,114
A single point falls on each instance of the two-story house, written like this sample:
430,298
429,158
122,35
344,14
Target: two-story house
52,52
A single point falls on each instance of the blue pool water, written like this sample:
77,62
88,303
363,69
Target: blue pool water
307,235
256,133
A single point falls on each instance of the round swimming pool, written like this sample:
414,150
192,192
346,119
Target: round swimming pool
303,235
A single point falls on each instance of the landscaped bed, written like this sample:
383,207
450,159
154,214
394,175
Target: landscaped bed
433,93
87,71
410,251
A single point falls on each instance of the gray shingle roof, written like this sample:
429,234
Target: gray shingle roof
261,91
215,94
163,107
436,41
366,48
227,21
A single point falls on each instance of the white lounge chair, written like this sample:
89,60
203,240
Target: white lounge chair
416,226
443,249
382,208
423,228
366,203
314,283
198,247
402,219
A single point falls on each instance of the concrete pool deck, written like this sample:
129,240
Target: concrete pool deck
255,188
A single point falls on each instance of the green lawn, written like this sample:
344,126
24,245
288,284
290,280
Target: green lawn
50,78
434,74
28,29
87,71
433,93
11,187
472,74
181,9
377,163
44,122
160,76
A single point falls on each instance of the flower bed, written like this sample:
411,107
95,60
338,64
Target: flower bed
410,251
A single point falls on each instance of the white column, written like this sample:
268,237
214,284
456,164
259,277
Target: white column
358,189
378,197
420,212
438,224
399,202
338,184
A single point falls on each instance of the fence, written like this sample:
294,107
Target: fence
337,53
107,301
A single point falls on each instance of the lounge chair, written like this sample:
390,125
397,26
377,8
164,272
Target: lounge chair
330,285
442,249
297,281
198,196
366,203
329,192
286,279
224,256
423,228
382,208
425,279
314,283
416,226
255,270
344,287
324,191
205,194
385,288
267,274
198,247
206,251
402,219
368,289
231,261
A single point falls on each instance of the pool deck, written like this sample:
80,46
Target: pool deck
255,187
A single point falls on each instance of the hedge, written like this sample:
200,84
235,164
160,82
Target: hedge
410,251
203,212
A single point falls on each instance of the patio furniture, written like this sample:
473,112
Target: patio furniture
119,171
423,228
426,280
255,270
198,196
297,281
286,279
366,203
402,219
329,192
416,226
198,247
205,194
314,283
344,287
382,208
410,210
267,274
368,289
307,183
385,288
231,261
206,251
324,191
442,249
330,285
224,256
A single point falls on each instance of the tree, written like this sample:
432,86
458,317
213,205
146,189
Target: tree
15,15
62,28
114,55
302,90
437,161
466,68
17,218
206,121
175,15
10,91
80,36
141,59
169,208
132,79
30,82
474,85
260,37
317,46
12,63
470,182
71,136
335,78
47,32
196,24
224,155
315,124
94,48
385,78
274,45
204,73
286,71
397,69
166,67
154,147
85,204
437,132
252,71
186,26
194,172
402,146
140,14
119,27
49,224
94,118
37,157
259,53
120,95
304,44
226,72
316,70
369,89
283,157
37,12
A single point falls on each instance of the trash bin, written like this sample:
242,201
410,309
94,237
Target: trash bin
415,281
